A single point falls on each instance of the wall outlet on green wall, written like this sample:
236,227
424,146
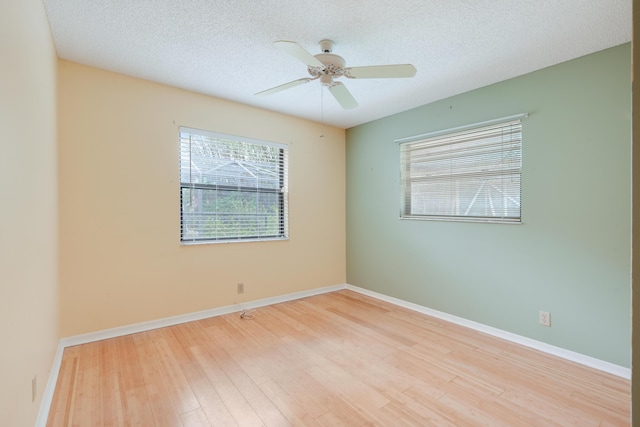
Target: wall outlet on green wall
544,318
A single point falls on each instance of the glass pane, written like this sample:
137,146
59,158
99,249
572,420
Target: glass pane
497,197
221,214
229,163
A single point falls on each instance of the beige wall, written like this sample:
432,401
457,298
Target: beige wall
28,219
120,259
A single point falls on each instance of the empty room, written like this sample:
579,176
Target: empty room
316,213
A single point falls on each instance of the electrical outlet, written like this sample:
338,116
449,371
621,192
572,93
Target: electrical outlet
34,388
241,288
545,318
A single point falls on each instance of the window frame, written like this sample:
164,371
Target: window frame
438,138
281,192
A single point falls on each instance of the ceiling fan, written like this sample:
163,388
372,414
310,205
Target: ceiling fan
328,66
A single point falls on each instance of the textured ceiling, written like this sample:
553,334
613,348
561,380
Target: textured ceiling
224,48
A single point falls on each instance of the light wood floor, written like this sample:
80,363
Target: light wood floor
329,360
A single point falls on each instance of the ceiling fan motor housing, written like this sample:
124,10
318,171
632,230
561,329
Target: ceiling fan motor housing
333,66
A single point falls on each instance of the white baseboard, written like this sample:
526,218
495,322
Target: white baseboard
190,317
592,362
175,320
47,397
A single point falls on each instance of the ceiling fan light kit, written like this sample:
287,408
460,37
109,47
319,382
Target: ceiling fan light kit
327,66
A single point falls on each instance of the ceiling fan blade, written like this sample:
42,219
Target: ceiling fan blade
381,71
343,96
298,52
284,86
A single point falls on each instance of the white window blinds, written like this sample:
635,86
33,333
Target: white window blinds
464,175
231,188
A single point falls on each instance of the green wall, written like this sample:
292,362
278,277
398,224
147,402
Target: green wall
570,256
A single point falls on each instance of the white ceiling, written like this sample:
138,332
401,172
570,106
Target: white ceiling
224,48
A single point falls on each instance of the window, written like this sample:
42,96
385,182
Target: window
464,174
231,188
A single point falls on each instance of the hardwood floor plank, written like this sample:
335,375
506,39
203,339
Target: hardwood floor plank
422,401
137,407
88,402
238,406
515,414
296,384
414,414
195,418
604,406
549,408
128,363
178,387
260,403
165,406
112,404
61,404
110,389
180,340
337,359
291,408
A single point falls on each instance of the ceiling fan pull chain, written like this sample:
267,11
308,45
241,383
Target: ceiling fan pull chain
321,111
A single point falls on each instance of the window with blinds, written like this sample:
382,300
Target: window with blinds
231,188
467,174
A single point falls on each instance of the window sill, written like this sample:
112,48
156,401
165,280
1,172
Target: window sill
221,241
